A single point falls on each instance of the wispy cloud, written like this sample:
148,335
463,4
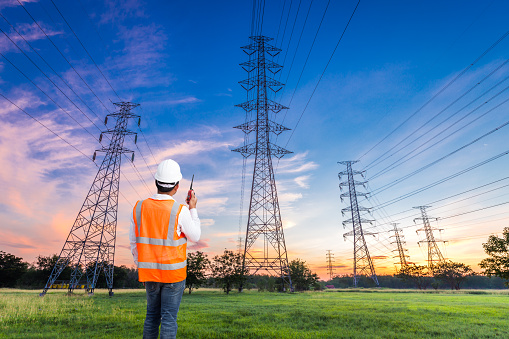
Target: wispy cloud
296,164
30,32
13,3
143,59
302,181
200,245
119,11
187,100
193,147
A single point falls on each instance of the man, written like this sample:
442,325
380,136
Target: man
160,228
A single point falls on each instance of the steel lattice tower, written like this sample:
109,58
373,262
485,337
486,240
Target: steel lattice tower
434,254
330,258
363,265
90,245
399,241
264,226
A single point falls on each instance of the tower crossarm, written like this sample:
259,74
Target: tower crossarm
361,208
273,127
250,83
355,182
354,172
362,220
253,105
249,66
250,149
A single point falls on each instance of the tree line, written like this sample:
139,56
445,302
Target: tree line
225,271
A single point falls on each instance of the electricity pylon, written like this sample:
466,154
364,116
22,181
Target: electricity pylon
264,226
362,263
330,258
434,254
399,241
90,245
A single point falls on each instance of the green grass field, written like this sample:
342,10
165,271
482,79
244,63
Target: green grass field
212,314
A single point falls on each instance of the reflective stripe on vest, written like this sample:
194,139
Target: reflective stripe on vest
164,267
161,251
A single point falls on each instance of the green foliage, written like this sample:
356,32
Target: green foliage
227,270
415,274
11,268
498,262
302,277
451,273
197,263
390,281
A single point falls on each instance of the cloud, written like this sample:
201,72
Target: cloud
207,222
224,235
289,197
193,147
288,224
16,245
13,3
380,257
201,244
187,100
121,10
296,164
302,181
140,57
30,32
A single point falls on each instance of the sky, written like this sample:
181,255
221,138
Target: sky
416,91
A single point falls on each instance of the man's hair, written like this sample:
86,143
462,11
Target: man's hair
165,187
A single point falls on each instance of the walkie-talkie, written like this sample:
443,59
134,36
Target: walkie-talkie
190,192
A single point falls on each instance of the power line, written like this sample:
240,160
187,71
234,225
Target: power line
307,58
64,140
40,89
437,94
394,165
296,49
47,77
47,64
407,195
321,76
63,56
82,46
60,107
131,89
443,110
397,181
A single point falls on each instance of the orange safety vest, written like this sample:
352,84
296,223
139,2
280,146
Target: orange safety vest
161,252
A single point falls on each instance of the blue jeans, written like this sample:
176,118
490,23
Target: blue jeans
163,301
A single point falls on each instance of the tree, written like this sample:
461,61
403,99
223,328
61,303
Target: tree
452,273
498,262
11,269
302,277
227,270
416,274
197,263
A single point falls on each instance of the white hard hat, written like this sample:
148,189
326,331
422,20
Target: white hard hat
168,171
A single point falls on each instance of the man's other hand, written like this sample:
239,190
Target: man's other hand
193,201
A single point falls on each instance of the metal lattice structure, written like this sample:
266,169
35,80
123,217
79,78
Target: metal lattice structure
90,245
399,241
434,253
330,259
363,264
264,247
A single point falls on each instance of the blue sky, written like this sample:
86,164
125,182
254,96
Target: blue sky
179,60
